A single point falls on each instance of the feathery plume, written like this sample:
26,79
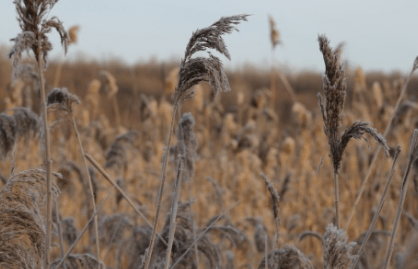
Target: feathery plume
337,250
22,232
210,69
32,18
61,99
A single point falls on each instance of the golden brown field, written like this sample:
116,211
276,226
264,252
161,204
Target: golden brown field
227,214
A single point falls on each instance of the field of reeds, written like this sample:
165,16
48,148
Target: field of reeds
189,165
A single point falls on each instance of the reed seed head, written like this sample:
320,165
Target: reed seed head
334,85
61,99
209,69
337,250
32,18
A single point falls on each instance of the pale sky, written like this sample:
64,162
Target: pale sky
379,34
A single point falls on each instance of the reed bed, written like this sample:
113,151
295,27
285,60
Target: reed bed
252,179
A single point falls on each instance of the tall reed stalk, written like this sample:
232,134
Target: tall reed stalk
61,99
413,156
334,85
376,154
32,18
192,72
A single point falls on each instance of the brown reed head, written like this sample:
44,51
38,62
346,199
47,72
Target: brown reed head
209,69
60,99
32,18
334,85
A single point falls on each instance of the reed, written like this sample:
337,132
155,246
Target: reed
192,72
334,85
32,18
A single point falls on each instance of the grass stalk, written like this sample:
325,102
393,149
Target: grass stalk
47,160
379,208
129,200
376,154
174,206
411,159
57,216
86,169
160,191
85,228
202,234
336,201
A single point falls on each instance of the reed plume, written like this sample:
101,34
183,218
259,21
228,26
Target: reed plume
335,86
22,231
337,250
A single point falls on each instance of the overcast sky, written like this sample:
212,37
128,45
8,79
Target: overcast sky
379,34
